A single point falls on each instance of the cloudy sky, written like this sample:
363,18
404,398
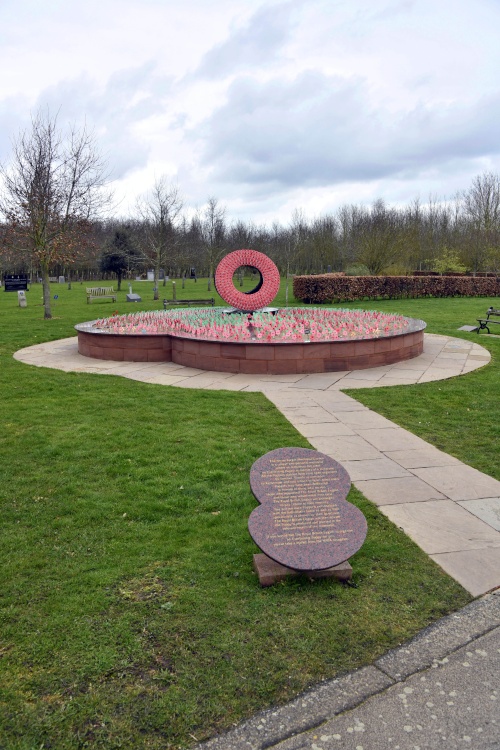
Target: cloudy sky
268,105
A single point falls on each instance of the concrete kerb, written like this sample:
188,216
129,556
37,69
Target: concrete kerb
309,711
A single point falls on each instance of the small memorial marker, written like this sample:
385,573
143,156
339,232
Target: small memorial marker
304,522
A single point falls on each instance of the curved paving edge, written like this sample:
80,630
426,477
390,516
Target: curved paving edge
443,357
449,509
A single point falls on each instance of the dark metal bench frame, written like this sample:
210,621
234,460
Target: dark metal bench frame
188,302
485,322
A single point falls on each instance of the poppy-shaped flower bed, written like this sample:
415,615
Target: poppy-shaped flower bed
294,340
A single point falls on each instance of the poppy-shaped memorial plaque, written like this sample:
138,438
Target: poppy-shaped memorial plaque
304,521
267,287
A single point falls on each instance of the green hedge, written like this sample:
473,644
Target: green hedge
328,288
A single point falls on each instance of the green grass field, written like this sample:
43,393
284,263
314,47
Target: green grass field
129,612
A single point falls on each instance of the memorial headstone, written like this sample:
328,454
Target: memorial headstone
304,523
134,298
21,299
16,282
61,280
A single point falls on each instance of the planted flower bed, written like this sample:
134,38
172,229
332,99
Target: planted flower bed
286,341
290,325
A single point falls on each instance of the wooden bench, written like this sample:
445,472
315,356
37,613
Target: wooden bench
100,292
196,302
485,322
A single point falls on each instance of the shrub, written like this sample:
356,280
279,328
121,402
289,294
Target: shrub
357,270
323,289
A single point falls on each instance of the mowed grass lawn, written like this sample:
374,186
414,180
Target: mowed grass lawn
130,615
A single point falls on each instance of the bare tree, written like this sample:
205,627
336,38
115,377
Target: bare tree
50,193
160,210
481,208
379,238
212,227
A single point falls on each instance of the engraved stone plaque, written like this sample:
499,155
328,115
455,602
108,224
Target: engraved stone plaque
304,520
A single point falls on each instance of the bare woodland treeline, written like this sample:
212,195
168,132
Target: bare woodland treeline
52,196
461,235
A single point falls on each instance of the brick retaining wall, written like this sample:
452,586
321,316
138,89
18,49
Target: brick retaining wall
274,359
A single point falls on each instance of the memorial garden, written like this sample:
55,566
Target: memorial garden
130,613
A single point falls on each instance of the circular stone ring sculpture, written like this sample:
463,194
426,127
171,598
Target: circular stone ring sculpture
266,289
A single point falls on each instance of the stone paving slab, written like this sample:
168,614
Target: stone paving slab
460,482
476,570
397,490
345,448
309,415
435,373
348,383
319,380
335,407
378,468
365,420
289,402
421,458
392,439
326,429
487,509
442,526
400,373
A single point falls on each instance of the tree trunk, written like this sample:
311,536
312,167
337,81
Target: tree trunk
286,284
156,294
119,277
46,291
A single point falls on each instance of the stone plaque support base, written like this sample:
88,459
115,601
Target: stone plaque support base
271,572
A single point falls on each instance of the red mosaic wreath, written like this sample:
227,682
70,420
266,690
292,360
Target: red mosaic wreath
265,291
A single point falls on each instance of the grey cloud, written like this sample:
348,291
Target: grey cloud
258,42
14,117
320,130
128,98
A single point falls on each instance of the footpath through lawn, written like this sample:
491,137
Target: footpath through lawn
129,612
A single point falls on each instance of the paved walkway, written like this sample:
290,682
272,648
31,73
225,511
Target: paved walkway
449,509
